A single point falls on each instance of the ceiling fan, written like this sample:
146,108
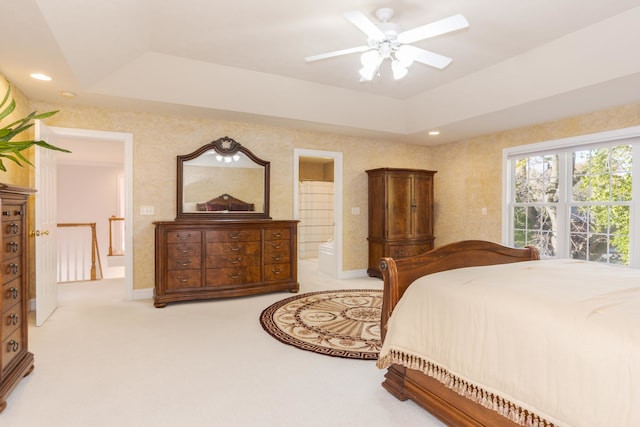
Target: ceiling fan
385,41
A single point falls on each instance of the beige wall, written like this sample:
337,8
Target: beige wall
21,175
158,139
469,174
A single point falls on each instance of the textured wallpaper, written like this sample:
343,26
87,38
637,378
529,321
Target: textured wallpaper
469,174
158,139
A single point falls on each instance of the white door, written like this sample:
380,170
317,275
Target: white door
45,227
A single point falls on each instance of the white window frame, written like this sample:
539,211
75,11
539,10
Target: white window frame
630,135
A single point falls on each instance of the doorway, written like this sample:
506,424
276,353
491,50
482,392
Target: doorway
317,201
92,148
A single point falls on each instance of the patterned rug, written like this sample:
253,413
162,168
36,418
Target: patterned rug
336,323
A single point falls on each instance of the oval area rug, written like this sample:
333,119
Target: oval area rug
344,323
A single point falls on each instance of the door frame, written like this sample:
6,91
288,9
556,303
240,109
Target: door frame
127,140
337,196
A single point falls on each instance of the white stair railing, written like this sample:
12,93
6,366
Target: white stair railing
78,253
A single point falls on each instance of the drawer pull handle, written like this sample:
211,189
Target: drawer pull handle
276,257
19,213
182,279
13,268
12,293
276,233
184,237
13,346
276,245
14,228
277,271
235,260
234,275
13,319
13,247
234,235
235,248
184,263
184,251
6,213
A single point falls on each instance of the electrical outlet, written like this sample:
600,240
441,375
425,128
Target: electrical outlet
146,210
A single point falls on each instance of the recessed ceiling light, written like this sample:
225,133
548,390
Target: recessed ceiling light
434,132
39,76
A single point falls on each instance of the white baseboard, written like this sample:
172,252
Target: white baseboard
352,274
146,293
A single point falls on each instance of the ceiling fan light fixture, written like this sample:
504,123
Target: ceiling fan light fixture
386,40
370,62
399,70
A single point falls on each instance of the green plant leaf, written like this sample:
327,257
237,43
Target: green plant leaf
12,150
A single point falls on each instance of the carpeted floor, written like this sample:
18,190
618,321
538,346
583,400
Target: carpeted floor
343,323
103,362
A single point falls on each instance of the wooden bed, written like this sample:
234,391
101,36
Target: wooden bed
444,403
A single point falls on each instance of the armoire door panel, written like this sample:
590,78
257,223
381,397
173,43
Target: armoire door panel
399,202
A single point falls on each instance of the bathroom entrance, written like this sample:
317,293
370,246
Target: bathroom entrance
318,208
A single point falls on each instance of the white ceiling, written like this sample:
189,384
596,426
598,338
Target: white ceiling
519,62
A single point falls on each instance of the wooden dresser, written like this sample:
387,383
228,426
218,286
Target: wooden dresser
203,259
400,214
15,359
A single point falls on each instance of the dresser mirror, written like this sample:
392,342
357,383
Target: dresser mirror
222,180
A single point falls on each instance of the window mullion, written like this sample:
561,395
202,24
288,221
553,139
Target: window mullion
564,206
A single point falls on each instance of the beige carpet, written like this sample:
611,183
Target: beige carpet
343,323
102,361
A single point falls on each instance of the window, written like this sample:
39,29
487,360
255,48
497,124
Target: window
576,198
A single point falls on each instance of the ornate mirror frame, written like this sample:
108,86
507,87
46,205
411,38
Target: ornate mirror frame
224,148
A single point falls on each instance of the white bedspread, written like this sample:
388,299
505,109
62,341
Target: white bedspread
560,338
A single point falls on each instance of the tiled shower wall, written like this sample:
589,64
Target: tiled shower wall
316,216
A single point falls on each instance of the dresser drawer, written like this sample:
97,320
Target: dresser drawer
11,293
277,272
277,251
12,228
11,348
12,212
231,261
233,248
277,234
184,250
183,279
11,320
184,236
11,269
232,276
404,251
184,263
11,246
233,235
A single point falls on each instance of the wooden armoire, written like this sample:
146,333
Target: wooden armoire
400,214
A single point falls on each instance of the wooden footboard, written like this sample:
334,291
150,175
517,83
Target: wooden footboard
398,275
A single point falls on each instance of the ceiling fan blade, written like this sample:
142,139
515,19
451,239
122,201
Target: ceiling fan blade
365,25
407,53
452,23
337,53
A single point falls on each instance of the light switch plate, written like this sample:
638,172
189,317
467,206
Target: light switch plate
146,210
